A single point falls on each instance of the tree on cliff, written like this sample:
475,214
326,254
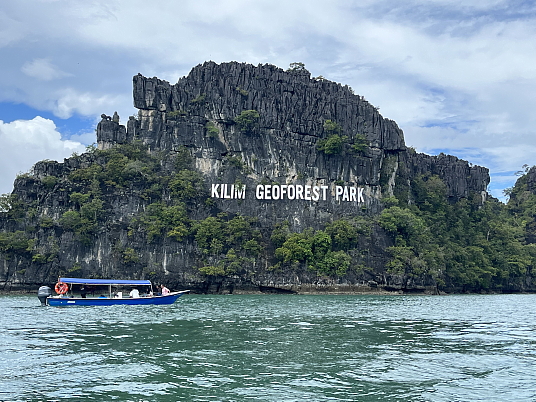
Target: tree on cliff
140,204
247,121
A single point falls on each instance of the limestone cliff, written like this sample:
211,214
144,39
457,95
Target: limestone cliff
244,127
293,109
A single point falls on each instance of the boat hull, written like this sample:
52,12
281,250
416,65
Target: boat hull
106,301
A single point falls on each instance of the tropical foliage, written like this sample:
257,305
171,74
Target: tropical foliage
468,245
247,120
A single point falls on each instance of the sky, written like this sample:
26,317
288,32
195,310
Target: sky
457,77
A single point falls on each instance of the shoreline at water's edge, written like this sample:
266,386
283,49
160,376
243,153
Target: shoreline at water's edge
318,292
248,292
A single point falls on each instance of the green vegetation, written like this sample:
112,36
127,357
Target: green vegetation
12,243
122,166
343,235
49,181
332,128
234,243
467,246
199,100
217,235
186,185
130,256
297,67
12,206
127,167
463,245
161,220
242,92
323,251
46,222
212,270
235,161
247,121
6,201
360,143
176,113
83,221
183,159
335,143
212,130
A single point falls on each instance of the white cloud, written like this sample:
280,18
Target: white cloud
43,69
85,138
455,76
11,30
69,100
24,142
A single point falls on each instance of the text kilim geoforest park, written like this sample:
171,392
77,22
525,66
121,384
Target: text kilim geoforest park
289,192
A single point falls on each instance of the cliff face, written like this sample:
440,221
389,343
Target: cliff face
522,201
277,146
282,146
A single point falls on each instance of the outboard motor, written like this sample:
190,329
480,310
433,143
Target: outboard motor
43,293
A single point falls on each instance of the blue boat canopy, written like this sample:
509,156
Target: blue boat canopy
105,281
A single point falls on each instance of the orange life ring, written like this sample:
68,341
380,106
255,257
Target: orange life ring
61,288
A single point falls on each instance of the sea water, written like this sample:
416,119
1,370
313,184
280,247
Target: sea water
272,348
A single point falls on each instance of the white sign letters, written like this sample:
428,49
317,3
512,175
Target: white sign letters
289,192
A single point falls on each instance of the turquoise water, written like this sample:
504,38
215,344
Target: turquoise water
272,348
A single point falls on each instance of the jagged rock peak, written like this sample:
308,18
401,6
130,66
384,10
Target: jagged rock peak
292,111
286,100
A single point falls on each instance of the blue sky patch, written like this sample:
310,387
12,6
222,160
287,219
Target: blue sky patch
74,125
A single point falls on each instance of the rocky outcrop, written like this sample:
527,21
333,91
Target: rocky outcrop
245,126
286,101
462,179
282,147
522,198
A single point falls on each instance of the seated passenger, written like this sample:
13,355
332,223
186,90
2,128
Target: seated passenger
134,293
165,291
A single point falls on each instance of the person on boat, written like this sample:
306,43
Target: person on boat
164,290
83,292
134,293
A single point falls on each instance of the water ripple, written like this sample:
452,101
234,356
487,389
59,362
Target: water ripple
272,348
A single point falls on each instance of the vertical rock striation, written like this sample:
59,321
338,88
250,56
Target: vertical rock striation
243,125
282,148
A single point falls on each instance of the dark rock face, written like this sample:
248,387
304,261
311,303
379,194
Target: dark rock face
287,102
461,179
202,112
529,180
292,110
521,200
